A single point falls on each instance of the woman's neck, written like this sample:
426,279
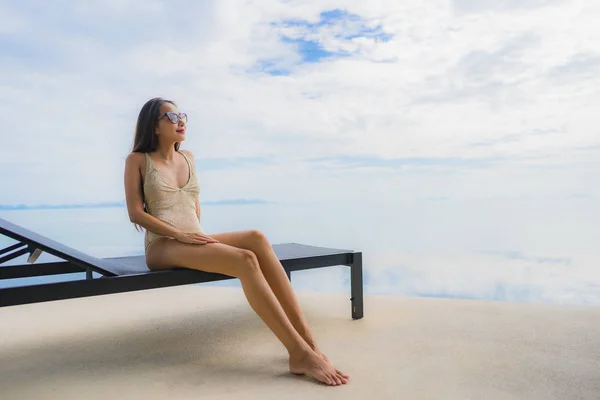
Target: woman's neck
166,153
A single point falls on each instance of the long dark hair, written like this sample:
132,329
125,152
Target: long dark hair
146,140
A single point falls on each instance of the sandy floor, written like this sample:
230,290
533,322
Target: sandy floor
206,343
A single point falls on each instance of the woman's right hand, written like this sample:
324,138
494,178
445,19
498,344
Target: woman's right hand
194,238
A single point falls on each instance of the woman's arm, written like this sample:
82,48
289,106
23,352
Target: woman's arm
135,204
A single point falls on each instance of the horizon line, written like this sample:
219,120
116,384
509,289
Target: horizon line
118,204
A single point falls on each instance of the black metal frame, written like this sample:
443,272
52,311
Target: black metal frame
110,283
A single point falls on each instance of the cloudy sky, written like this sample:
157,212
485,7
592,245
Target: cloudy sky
306,100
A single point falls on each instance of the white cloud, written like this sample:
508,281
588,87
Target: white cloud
11,21
460,80
477,6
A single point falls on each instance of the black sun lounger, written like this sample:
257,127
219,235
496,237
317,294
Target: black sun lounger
125,274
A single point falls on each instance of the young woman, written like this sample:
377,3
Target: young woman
161,191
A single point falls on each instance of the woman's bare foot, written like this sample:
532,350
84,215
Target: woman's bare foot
319,352
316,349
314,365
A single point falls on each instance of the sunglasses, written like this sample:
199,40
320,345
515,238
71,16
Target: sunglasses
174,117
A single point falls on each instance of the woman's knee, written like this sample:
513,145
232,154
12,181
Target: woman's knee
248,262
258,238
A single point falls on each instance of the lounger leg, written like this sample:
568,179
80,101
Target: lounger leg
356,286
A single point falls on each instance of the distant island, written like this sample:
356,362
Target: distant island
116,204
59,206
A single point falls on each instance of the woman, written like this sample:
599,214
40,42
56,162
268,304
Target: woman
161,191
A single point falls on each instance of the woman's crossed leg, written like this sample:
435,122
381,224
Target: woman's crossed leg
166,253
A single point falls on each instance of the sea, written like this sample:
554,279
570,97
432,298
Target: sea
542,250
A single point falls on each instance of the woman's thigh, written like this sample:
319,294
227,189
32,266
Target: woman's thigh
248,239
167,253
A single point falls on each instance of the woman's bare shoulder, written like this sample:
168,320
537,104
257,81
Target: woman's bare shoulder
189,154
135,161
135,157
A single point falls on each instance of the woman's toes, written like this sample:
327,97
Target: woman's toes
342,376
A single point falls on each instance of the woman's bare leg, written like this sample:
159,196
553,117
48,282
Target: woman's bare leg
276,277
221,258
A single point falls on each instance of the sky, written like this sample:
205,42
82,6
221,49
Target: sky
306,100
455,141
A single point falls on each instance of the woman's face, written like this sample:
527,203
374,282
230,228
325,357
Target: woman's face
171,123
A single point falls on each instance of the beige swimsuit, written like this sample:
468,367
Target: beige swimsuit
169,203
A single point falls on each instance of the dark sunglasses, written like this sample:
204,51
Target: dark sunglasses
174,118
